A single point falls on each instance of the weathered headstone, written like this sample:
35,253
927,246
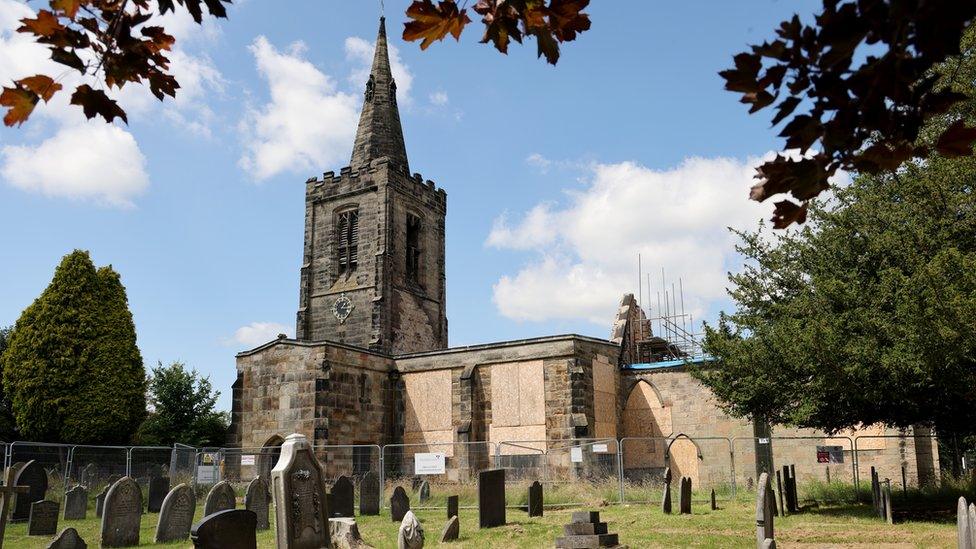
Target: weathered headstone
256,499
220,498
76,503
342,498
779,491
399,504
586,530
158,488
424,491
964,527
8,492
452,506
411,533
369,494
875,492
345,534
68,539
452,530
972,522
227,529
301,510
666,499
889,514
176,514
87,475
684,502
100,501
43,519
714,504
794,498
33,476
491,498
535,499
122,514
764,511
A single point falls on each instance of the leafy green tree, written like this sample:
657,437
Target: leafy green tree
7,426
182,409
72,371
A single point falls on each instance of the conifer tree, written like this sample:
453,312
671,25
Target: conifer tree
72,370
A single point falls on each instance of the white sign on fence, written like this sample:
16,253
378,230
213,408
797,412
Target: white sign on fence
207,474
764,441
576,454
247,459
600,449
428,464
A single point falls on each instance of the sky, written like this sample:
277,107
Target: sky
557,177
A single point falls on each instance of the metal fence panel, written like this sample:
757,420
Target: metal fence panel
571,472
462,463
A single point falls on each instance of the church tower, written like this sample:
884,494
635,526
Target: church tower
373,269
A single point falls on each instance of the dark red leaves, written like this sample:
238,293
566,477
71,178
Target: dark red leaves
24,96
97,103
957,140
431,23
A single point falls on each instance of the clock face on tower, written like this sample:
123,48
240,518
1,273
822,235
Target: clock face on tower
341,308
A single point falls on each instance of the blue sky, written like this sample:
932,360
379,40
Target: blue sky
557,177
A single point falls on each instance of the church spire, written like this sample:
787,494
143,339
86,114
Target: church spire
379,134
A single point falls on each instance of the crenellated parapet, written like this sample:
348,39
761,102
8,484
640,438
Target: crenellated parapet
377,173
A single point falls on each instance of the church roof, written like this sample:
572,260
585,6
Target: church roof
379,134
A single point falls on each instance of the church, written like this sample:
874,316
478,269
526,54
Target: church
370,363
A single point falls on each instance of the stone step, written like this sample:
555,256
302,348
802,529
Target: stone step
586,516
585,528
586,542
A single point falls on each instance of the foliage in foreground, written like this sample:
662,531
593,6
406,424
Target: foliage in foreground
182,409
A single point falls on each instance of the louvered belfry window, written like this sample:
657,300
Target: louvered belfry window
347,235
413,248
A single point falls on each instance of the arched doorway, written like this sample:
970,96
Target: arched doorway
270,453
646,421
683,458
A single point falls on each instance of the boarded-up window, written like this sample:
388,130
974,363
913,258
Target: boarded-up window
518,403
604,398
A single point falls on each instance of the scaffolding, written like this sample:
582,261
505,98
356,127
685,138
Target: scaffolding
676,335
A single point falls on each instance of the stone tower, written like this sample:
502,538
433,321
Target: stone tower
373,269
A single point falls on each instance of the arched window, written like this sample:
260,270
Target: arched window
347,241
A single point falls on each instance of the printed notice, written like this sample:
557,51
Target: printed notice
576,454
600,449
247,459
428,464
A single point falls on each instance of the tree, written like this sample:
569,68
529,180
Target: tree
182,409
7,430
866,315
72,371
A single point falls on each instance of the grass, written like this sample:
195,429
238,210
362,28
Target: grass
638,524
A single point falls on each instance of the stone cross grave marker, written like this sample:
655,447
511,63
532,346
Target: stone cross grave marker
176,514
256,499
684,501
100,501
33,476
8,491
666,499
399,504
452,506
220,498
228,529
342,497
158,488
68,539
424,491
301,509
535,499
491,498
451,530
122,514
369,494
411,533
43,519
764,514
76,503
586,530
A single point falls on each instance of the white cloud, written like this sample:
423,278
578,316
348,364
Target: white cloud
259,333
539,162
360,51
308,123
91,160
586,250
438,98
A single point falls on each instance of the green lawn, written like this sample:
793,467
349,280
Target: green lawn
639,526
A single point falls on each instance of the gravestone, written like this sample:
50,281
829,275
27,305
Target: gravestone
158,488
972,523
100,501
256,499
792,488
535,499
452,506
714,505
666,499
8,491
220,498
345,534
886,497
301,510
684,501
452,530
586,530
43,519
764,515
34,477
964,526
424,491
415,483
87,475
68,539
779,490
176,514
491,498
226,529
76,503
411,533
342,498
369,494
121,514
399,504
